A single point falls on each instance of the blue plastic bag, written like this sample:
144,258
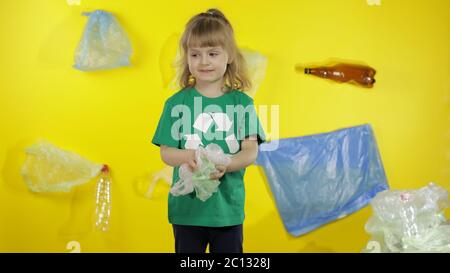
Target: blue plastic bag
319,178
104,44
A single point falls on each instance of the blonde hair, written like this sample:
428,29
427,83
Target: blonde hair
211,28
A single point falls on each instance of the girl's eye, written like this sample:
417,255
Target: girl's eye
213,54
193,55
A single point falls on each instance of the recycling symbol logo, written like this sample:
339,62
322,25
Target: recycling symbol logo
204,122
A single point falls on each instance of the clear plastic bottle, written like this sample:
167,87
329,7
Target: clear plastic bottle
103,200
342,72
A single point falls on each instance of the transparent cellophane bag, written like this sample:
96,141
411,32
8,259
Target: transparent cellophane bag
50,169
410,220
200,181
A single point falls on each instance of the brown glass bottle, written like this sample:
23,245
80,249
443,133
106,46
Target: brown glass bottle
352,73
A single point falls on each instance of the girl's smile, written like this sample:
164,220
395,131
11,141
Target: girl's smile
207,64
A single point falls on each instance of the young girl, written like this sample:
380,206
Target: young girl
213,79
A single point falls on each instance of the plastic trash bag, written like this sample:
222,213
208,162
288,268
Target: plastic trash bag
50,169
200,180
169,59
410,220
256,66
104,44
319,178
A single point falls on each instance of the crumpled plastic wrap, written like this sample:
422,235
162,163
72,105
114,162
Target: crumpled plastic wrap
145,184
410,220
104,44
319,178
256,67
200,180
50,169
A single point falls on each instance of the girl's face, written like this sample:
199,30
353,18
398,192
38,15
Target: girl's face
207,64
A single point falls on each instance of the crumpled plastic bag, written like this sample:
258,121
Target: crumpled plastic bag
104,44
145,184
200,180
319,178
410,220
50,169
256,66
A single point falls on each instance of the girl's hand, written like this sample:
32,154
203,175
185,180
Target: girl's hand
221,169
192,162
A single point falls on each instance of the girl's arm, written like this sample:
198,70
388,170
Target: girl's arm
249,151
175,157
245,157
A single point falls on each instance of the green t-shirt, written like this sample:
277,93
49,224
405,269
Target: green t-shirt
190,119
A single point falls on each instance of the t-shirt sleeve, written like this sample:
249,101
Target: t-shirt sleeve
250,125
164,134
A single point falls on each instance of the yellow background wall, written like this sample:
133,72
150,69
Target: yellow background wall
109,117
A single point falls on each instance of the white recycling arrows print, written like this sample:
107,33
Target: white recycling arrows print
203,122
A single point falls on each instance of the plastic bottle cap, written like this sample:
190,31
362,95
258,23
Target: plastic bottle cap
105,168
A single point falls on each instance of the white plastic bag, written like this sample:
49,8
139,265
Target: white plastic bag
200,181
50,169
410,220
